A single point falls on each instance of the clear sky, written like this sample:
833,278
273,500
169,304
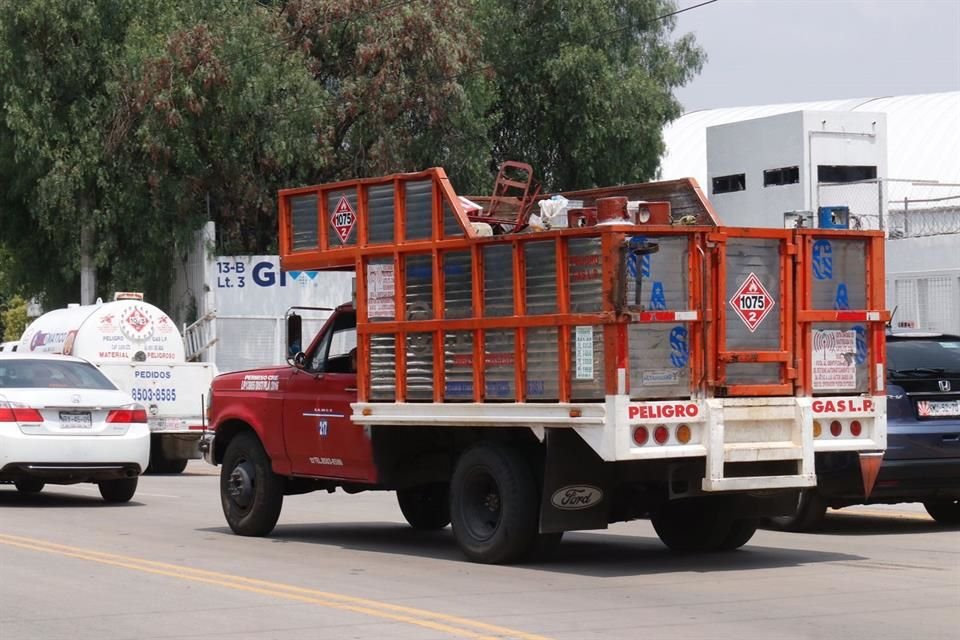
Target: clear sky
772,51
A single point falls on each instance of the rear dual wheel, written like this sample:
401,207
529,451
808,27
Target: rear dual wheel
495,506
29,485
696,526
426,507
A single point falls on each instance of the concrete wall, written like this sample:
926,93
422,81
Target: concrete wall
802,139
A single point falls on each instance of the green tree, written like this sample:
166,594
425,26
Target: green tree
14,318
584,87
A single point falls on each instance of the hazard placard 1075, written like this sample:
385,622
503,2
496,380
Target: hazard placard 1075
752,302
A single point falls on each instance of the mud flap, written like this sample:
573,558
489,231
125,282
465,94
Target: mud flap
869,469
577,485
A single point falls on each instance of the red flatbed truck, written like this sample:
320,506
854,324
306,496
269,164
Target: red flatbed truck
650,363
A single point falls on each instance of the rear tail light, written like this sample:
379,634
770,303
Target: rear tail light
127,415
14,412
660,434
641,435
835,428
683,434
855,428
817,428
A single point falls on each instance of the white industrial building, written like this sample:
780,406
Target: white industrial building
894,162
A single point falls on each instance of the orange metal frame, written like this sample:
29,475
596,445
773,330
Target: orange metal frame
706,278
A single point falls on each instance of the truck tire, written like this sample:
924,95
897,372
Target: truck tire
740,533
427,506
810,513
944,510
117,491
493,505
29,485
161,463
250,492
693,526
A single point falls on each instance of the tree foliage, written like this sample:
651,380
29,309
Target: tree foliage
142,119
584,87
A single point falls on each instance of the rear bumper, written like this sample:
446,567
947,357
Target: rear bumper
74,458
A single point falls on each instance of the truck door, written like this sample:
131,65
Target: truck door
320,438
755,323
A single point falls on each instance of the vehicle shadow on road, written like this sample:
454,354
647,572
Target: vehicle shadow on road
49,498
858,524
588,554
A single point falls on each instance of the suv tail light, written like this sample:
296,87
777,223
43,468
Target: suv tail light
14,412
127,415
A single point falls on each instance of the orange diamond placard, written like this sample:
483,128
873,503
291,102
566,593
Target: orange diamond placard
752,302
343,219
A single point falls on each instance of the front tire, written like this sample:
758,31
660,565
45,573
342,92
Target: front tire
426,507
494,505
29,485
944,510
118,491
250,492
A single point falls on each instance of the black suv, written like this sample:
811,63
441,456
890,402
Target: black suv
922,460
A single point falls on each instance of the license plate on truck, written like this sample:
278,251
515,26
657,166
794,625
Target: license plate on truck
75,420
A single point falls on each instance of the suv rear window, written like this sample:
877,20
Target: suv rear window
939,355
51,374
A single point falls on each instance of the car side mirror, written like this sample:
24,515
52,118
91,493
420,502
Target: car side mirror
295,339
300,360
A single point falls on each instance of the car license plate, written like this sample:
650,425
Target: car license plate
75,420
933,409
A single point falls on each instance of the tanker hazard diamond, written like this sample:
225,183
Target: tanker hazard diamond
752,302
342,219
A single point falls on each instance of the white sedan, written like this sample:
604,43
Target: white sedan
63,422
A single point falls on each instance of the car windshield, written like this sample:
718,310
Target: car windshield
51,374
928,356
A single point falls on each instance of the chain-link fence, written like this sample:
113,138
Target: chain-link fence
905,208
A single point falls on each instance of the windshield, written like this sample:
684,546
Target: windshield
924,356
51,374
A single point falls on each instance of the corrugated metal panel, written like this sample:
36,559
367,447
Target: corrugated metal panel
458,292
839,274
543,364
498,280
585,271
458,364
383,368
541,277
762,258
419,209
303,211
420,366
419,290
499,365
381,214
659,361
664,275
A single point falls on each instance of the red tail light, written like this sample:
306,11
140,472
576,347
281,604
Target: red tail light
13,413
856,428
660,434
127,415
835,428
641,435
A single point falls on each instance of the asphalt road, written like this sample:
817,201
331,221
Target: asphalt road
342,567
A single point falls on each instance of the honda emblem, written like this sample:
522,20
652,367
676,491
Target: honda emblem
944,385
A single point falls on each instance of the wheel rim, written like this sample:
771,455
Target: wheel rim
240,484
482,505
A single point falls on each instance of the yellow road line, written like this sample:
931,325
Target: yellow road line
454,625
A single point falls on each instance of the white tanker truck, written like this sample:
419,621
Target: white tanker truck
139,347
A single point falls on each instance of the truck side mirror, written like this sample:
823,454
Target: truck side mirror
295,339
